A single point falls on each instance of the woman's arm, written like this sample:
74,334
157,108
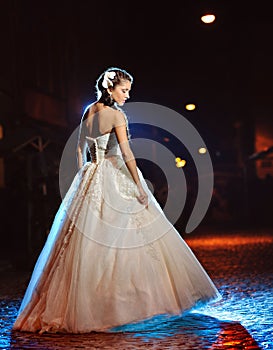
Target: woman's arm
128,156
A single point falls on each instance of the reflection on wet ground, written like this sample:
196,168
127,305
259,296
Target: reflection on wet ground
240,263
190,332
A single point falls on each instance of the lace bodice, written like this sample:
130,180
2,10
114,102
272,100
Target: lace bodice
102,146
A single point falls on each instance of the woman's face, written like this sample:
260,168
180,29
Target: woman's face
120,93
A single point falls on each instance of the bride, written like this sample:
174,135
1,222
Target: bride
111,257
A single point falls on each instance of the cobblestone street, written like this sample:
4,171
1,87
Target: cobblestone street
239,262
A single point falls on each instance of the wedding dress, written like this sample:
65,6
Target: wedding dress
108,260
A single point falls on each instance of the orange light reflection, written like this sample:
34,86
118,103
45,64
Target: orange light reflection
228,241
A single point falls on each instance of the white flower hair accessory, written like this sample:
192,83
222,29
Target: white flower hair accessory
106,83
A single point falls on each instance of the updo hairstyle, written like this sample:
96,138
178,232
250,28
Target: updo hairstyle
117,78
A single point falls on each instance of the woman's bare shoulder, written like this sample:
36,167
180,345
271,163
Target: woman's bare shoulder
120,118
113,116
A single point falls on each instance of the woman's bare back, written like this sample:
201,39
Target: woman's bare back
99,120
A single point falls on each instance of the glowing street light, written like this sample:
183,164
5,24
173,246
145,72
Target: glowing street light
209,18
202,150
180,163
190,107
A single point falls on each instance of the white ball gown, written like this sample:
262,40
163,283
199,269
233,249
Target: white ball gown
108,260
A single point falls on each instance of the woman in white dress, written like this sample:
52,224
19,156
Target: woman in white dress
111,257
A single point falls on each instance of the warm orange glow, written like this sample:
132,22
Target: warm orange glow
209,18
228,241
263,140
180,163
234,336
232,342
190,106
1,132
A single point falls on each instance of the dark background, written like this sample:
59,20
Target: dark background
53,51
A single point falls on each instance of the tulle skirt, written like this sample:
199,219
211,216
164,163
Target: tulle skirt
109,261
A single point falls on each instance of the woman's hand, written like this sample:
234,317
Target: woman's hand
142,197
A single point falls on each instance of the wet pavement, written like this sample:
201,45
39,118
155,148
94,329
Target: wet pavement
239,262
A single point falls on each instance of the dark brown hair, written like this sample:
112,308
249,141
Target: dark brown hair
102,93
